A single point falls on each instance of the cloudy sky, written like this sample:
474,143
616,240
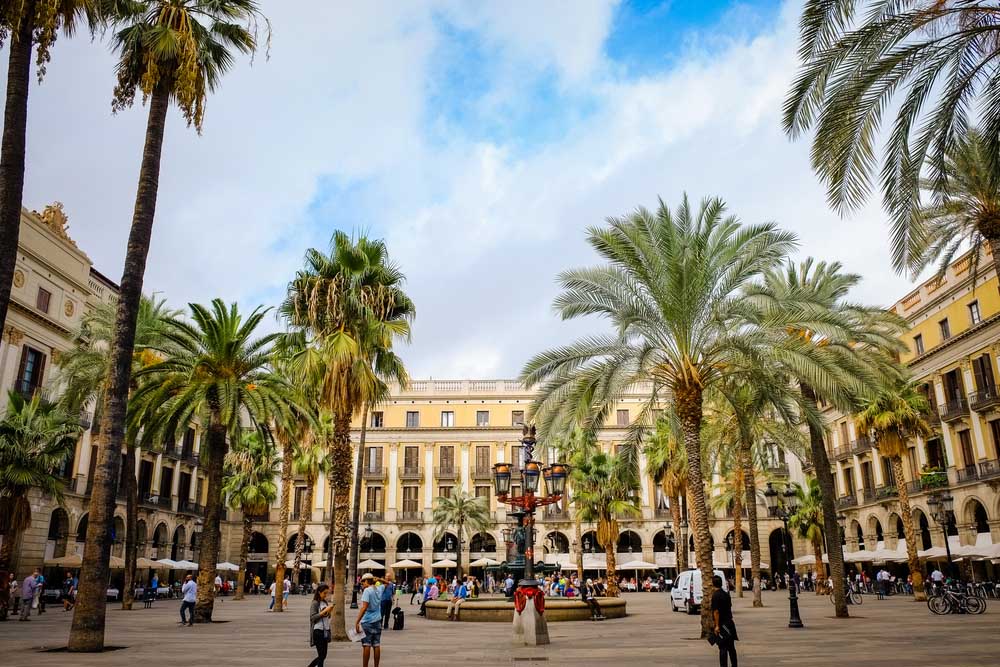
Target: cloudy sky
479,139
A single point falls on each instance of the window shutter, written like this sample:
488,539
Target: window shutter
20,371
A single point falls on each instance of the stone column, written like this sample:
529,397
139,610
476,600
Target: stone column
463,467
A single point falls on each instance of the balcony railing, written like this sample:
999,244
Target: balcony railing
841,453
411,472
556,514
260,517
662,513
868,495
373,473
190,458
410,516
989,469
886,492
966,473
984,399
446,473
778,469
374,516
953,409
187,506
845,502
862,444
163,502
482,473
148,499
171,452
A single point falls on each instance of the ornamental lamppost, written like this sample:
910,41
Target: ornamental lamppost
365,538
784,508
942,506
533,497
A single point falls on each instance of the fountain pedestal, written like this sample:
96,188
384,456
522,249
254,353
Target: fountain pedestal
530,627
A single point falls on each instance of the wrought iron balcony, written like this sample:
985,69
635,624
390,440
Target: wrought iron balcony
187,506
984,399
861,445
886,492
954,409
407,516
170,451
411,472
374,516
989,469
553,513
868,495
482,473
190,458
968,473
446,473
373,473
845,502
841,453
259,517
779,469
664,512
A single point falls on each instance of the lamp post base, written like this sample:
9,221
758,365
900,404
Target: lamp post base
354,599
530,627
794,620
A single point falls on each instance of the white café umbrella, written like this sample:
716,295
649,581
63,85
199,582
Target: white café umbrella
185,565
290,564
370,564
484,562
226,566
637,565
72,560
405,564
445,563
166,564
145,563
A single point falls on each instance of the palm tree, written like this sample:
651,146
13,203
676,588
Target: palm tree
576,447
251,466
666,461
850,348
171,51
808,521
309,459
220,376
36,438
347,306
84,371
468,513
671,290
26,24
607,489
896,413
925,61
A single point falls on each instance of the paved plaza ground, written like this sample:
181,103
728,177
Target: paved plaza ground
894,631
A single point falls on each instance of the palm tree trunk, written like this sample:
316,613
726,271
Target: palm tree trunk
911,536
579,544
87,631
15,123
675,520
352,574
689,409
286,500
210,536
244,550
819,567
304,517
607,529
738,533
131,521
340,475
6,554
835,551
458,558
750,493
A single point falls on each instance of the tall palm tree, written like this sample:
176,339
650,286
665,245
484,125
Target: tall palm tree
348,306
220,376
84,371
251,465
576,446
172,51
461,510
892,416
808,521
36,437
666,461
925,61
607,489
671,289
26,24
309,459
851,348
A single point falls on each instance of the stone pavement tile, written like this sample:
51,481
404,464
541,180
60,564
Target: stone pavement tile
894,631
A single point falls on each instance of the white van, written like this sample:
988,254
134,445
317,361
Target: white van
686,591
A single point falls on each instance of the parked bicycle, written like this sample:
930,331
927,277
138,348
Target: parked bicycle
850,592
955,600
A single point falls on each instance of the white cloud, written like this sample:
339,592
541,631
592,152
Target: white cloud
480,227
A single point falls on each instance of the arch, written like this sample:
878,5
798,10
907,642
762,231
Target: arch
780,559
591,544
58,531
711,541
976,515
409,542
860,535
629,540
307,543
141,537
81,528
195,544
483,543
258,543
731,537
442,541
557,543
179,544
375,545
661,544
118,537
924,528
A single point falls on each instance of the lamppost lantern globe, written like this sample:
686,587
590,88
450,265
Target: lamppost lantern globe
791,500
368,532
556,480
530,476
948,502
842,520
505,533
771,498
501,478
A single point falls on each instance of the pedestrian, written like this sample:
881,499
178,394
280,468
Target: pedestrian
461,595
190,591
725,628
218,583
417,589
28,588
370,620
388,592
589,594
256,584
508,586
319,623
40,592
15,589
430,593
270,607
286,589
69,591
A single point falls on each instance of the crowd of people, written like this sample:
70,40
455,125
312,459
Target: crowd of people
28,594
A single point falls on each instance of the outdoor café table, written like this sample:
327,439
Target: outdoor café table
113,593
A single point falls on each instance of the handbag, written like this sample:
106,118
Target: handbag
326,635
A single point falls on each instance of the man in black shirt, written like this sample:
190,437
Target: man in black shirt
725,628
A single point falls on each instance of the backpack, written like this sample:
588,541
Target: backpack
397,619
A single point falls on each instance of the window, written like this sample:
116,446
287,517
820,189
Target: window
42,300
444,492
412,419
30,372
483,492
516,457
482,458
888,477
411,458
845,437
447,418
849,481
482,417
373,459
299,503
378,419
187,445
982,371
622,417
914,464
945,329
965,442
995,433
975,317
411,497
446,458
918,344
515,490
373,499
517,418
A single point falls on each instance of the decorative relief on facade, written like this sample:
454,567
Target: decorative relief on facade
13,335
56,219
56,356
69,308
18,278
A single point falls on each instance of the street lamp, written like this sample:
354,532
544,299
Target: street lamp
783,508
942,506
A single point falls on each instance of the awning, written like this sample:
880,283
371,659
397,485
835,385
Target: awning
227,567
371,565
290,564
144,563
447,562
185,565
484,562
809,559
637,565
72,560
167,564
116,563
405,564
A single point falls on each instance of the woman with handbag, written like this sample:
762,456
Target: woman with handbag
319,624
725,628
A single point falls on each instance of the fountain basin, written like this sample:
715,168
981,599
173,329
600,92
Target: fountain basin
499,610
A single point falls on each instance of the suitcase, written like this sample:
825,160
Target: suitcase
397,619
